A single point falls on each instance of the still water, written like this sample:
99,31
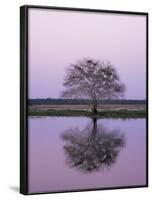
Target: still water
72,153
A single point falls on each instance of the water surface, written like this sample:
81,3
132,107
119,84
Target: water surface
54,167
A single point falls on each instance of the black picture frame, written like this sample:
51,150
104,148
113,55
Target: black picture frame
24,92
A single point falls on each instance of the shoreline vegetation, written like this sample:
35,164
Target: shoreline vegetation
106,111
50,101
84,113
123,108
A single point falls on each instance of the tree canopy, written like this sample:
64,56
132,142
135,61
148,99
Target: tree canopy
92,79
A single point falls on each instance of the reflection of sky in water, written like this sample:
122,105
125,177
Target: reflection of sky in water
48,169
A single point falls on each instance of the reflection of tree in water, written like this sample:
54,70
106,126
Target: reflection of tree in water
93,148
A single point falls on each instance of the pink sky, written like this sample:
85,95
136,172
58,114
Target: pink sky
60,38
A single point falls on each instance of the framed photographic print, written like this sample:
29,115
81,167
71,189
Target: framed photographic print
84,99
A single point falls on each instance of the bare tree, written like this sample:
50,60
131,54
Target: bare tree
94,80
92,148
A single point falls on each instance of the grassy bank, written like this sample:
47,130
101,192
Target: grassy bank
85,113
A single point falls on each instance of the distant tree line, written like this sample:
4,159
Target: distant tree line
82,101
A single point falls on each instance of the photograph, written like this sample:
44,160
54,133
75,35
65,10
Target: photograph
87,100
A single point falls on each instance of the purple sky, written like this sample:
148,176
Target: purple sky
59,38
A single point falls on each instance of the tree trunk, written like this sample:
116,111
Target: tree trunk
94,110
